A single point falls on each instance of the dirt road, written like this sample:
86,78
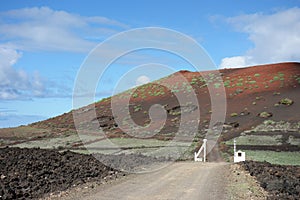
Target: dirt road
182,180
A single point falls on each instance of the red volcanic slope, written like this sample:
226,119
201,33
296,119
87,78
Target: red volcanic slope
249,90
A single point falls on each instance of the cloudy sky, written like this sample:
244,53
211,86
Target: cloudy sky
43,44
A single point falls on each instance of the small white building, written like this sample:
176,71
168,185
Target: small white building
238,156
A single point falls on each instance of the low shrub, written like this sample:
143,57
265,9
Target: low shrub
286,101
233,114
265,114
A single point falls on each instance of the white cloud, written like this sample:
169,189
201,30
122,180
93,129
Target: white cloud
141,80
44,29
234,62
276,37
15,84
104,20
47,29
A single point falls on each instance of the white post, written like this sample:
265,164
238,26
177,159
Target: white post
204,150
234,147
234,151
197,154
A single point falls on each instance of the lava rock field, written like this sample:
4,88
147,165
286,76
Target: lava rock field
281,182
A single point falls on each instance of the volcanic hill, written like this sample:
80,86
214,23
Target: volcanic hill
253,96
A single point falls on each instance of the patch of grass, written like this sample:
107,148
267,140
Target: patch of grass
294,141
265,114
211,75
286,101
194,81
281,158
280,74
135,95
204,85
137,108
233,114
257,140
238,91
159,93
217,85
251,82
201,79
256,75
175,112
227,83
50,143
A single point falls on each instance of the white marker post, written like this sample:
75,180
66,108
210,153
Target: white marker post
234,146
203,148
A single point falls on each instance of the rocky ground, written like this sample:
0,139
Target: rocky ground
281,182
31,173
244,186
35,173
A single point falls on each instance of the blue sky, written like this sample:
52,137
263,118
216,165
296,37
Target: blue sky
44,43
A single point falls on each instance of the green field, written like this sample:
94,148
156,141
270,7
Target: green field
144,146
112,146
293,141
51,143
257,140
281,158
